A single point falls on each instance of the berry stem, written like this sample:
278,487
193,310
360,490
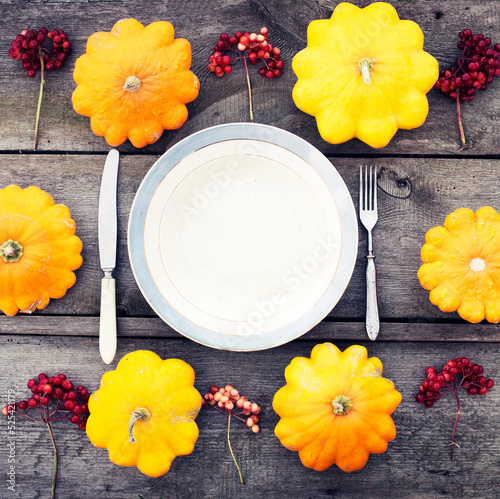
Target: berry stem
453,440
42,83
460,126
249,98
230,448
54,475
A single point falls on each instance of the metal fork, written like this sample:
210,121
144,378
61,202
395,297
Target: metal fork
369,216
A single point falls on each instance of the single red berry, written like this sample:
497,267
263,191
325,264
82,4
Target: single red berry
82,424
66,385
490,383
69,405
75,419
44,400
32,402
8,409
23,405
57,393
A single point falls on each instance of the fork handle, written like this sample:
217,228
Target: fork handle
372,319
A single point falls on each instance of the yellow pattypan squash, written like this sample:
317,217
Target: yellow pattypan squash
144,412
462,264
134,82
336,408
364,74
38,249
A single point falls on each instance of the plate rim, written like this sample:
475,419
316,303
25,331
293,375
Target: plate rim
243,131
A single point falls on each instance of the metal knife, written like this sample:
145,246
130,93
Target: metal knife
107,224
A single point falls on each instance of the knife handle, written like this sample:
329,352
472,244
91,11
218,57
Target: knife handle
107,326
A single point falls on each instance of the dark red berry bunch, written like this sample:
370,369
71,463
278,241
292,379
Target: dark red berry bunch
457,373
473,71
29,47
53,398
251,46
228,400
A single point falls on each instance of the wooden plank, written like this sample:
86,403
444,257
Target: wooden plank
437,188
417,463
151,327
226,101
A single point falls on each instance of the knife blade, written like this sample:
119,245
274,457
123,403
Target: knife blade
107,236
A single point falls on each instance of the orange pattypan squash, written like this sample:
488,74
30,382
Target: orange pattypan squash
144,412
134,82
336,408
38,249
364,74
462,264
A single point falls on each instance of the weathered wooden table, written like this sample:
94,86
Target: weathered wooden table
422,178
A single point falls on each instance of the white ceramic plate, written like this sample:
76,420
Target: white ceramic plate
242,237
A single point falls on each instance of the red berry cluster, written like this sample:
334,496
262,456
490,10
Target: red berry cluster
253,46
474,70
472,380
32,42
53,396
457,373
229,399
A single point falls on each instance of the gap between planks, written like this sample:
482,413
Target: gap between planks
151,327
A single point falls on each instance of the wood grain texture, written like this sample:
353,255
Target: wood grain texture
438,186
328,330
61,129
417,463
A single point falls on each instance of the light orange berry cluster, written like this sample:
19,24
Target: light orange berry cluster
229,399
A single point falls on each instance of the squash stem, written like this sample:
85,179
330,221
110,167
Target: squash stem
460,126
365,65
42,83
54,475
231,449
140,414
249,90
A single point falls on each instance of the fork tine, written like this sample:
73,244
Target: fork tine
360,187
370,190
375,189
366,188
